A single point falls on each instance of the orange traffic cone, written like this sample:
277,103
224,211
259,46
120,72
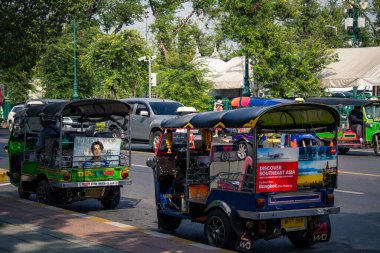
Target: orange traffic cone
293,144
331,144
191,140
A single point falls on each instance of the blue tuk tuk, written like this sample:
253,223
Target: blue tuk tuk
275,191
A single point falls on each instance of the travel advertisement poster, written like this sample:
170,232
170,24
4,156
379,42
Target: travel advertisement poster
289,169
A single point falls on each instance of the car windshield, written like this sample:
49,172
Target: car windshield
165,108
373,112
17,108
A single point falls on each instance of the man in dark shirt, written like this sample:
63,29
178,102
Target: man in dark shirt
356,122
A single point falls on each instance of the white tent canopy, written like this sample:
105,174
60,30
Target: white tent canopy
357,67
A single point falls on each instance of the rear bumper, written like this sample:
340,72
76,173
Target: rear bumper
89,184
288,213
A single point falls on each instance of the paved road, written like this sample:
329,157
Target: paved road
356,229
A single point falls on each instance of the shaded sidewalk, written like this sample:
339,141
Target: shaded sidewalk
27,226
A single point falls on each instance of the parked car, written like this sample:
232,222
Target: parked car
10,118
147,114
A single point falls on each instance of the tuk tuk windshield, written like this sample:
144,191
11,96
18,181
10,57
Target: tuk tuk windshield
373,112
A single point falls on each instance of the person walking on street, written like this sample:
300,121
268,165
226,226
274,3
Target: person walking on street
218,106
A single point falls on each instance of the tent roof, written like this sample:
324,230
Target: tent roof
224,75
356,67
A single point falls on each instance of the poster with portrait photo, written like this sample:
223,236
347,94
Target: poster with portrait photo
83,153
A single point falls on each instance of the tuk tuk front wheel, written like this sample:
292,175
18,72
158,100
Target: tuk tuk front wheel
218,230
112,198
22,193
168,223
376,148
45,193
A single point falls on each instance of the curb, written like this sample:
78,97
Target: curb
3,175
123,226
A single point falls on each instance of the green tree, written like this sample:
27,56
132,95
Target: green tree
283,44
112,59
177,37
25,26
56,68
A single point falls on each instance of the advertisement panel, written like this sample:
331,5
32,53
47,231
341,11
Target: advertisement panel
92,152
277,169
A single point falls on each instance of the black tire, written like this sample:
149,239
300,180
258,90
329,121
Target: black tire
301,239
244,149
22,193
168,223
45,193
218,230
376,148
10,125
116,133
112,198
155,137
343,151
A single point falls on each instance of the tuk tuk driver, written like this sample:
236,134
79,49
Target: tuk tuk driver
356,121
49,129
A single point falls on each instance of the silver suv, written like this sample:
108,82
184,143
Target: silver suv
147,114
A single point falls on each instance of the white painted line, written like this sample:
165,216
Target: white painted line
137,165
5,184
81,215
120,225
351,192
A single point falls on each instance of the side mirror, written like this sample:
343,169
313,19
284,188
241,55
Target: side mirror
6,149
144,113
151,162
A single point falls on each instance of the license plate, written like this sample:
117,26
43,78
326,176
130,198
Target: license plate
297,223
94,192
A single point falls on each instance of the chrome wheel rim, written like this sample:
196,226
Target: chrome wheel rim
216,231
243,150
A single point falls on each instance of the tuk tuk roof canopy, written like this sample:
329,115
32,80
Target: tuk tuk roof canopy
306,116
88,108
341,101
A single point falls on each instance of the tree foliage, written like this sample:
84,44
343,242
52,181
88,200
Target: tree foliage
280,37
113,60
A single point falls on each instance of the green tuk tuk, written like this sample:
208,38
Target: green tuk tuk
77,159
347,138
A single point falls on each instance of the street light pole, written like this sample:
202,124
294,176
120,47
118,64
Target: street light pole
149,59
75,85
246,90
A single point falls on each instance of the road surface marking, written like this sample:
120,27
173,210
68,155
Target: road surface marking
5,184
137,165
357,173
358,193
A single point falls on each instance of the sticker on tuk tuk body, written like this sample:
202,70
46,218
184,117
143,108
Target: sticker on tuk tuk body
277,169
96,152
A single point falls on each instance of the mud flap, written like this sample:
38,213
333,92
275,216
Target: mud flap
322,230
244,242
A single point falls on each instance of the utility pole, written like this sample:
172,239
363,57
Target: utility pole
149,59
75,85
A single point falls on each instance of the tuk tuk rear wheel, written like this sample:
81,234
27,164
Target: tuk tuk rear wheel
168,223
301,239
376,148
218,230
45,193
112,198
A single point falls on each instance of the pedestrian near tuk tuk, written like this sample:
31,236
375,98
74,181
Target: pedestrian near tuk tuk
355,120
218,106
